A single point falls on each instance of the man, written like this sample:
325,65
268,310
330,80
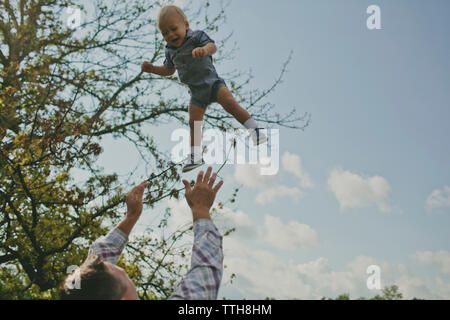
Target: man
99,277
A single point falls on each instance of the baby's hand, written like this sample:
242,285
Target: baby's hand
147,67
199,52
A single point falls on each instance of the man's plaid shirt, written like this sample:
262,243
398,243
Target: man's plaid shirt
203,278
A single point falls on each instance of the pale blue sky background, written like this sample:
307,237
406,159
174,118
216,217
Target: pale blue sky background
379,101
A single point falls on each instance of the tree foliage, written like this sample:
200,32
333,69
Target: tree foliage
62,91
388,293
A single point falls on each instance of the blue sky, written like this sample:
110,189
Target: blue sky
376,154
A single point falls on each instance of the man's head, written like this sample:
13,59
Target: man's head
98,280
173,24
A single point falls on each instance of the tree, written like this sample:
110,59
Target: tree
62,90
389,293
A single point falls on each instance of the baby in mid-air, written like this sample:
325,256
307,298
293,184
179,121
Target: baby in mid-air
189,52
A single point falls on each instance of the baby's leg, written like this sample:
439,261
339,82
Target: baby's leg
195,124
227,101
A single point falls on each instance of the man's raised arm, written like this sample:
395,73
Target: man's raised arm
111,246
202,281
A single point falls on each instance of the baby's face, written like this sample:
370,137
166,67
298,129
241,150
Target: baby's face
173,29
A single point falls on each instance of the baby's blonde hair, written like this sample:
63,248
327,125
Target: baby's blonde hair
166,10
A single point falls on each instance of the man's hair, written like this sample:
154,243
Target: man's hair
166,10
94,283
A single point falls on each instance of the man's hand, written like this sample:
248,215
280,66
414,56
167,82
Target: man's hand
201,197
147,67
134,201
199,52
134,208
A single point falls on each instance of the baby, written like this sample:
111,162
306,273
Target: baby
189,52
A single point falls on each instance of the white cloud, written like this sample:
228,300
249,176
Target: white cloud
354,191
358,267
290,236
268,195
442,289
411,286
439,259
261,272
292,163
325,281
250,176
181,213
227,218
438,199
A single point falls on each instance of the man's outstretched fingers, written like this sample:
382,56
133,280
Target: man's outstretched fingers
217,187
187,185
142,186
208,173
212,180
199,177
137,191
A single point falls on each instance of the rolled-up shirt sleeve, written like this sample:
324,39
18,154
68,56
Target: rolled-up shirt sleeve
203,279
201,38
110,247
168,60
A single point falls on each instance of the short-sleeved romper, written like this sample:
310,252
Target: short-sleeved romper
199,74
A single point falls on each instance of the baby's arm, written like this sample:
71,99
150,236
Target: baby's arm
159,70
208,50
